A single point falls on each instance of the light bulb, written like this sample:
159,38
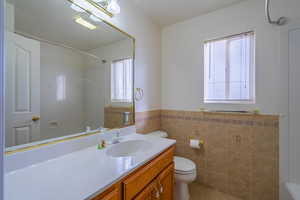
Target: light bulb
76,8
98,1
113,7
96,12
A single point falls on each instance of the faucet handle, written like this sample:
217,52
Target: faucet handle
118,133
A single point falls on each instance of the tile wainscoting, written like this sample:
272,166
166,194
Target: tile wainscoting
240,152
113,116
148,121
240,155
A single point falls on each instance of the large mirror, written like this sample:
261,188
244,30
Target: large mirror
67,72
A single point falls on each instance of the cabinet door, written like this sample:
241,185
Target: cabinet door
109,195
139,180
151,192
112,196
165,183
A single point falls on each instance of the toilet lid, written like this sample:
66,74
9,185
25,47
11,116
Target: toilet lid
184,164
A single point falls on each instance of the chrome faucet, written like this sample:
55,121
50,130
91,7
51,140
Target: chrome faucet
117,137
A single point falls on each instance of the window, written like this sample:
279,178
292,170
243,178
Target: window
121,80
60,87
229,69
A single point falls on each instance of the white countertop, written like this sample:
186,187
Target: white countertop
78,175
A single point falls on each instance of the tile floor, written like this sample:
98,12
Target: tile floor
200,192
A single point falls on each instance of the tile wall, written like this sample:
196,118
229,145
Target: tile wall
240,155
148,121
113,116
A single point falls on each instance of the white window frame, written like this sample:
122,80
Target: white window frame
252,81
111,88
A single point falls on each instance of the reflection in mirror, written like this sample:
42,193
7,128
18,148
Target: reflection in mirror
68,73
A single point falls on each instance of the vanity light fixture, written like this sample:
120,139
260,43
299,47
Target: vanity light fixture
85,23
110,5
76,8
99,8
95,19
82,4
103,3
113,7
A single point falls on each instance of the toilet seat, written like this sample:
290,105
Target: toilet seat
184,165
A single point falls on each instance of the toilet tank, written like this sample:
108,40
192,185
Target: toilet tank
161,134
293,191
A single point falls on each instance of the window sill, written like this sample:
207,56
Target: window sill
120,101
229,102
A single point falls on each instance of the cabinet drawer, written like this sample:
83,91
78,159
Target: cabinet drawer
136,182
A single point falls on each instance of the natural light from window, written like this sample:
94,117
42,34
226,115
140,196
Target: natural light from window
229,66
61,88
121,80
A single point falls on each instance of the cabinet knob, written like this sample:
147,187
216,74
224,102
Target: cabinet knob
157,194
161,188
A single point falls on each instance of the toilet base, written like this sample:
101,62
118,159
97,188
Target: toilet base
181,191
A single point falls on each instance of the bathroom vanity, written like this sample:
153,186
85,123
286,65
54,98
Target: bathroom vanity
152,180
139,167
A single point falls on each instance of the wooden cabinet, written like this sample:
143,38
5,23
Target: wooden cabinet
161,188
165,183
153,181
113,193
145,175
149,193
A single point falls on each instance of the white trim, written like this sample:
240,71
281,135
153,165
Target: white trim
2,137
121,101
287,155
230,101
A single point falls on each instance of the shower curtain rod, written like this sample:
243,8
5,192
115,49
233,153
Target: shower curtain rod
279,22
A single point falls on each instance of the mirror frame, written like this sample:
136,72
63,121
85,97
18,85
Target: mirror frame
38,144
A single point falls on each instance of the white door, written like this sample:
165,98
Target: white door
294,102
22,90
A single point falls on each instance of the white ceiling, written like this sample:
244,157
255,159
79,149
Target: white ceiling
53,20
167,12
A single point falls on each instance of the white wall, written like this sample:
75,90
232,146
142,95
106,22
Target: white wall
87,87
182,61
148,53
69,112
94,92
110,52
85,91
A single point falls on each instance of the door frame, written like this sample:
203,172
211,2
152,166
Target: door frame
2,145
287,155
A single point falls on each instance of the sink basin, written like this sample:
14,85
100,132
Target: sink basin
128,148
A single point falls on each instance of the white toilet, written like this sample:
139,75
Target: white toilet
185,172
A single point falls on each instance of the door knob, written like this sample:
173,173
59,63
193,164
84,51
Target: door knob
35,118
